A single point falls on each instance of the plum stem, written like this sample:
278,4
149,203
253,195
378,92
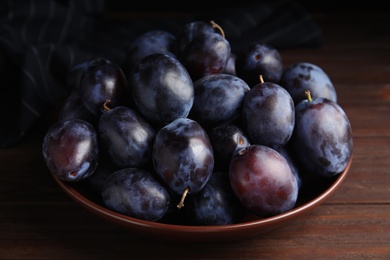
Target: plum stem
216,26
181,203
261,79
105,107
308,95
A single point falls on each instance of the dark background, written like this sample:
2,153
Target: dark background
205,6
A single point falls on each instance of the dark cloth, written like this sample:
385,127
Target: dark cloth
40,41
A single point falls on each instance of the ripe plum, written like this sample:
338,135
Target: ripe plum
70,149
183,156
218,99
153,41
126,136
259,59
322,138
137,193
206,54
302,76
263,180
103,80
190,31
268,115
162,89
216,203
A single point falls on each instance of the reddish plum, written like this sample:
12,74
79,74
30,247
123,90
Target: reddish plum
70,149
263,180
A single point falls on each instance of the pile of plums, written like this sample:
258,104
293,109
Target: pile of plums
186,125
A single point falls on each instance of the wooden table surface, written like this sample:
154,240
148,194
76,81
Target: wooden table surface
39,221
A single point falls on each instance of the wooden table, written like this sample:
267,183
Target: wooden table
39,221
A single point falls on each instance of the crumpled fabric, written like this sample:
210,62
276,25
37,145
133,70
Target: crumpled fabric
41,40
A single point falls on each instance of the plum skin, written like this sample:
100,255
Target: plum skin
218,99
150,42
302,76
216,203
70,149
259,59
322,138
137,193
162,89
183,155
126,136
268,115
103,80
263,180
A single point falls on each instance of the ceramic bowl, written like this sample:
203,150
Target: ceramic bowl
311,196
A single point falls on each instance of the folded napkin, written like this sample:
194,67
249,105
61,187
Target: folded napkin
40,41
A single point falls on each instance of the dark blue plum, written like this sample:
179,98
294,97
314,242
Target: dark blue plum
256,60
322,140
190,31
136,193
218,99
153,41
103,80
162,89
268,115
127,138
302,76
183,156
216,203
205,55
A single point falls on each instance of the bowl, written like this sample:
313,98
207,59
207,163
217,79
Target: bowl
311,195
